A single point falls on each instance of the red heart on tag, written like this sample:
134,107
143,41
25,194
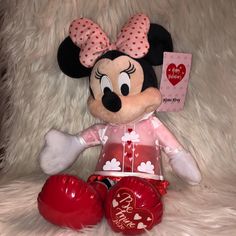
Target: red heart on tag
130,130
175,73
129,142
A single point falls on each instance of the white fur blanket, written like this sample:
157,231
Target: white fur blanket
38,97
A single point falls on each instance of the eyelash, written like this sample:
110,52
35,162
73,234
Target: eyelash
98,74
130,70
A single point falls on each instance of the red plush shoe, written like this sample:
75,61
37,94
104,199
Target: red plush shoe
70,202
133,205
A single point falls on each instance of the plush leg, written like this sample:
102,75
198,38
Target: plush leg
70,202
133,205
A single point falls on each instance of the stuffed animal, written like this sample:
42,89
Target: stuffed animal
128,184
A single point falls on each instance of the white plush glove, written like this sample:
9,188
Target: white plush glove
184,165
59,152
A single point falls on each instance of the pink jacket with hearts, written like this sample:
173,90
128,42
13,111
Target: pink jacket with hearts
131,149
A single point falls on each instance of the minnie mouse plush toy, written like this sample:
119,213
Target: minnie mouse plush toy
127,184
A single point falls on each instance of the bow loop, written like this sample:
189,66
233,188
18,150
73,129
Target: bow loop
132,39
91,39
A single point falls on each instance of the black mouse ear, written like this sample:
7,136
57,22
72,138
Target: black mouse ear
160,41
68,60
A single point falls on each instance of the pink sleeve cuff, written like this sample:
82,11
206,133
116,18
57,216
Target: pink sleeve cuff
91,135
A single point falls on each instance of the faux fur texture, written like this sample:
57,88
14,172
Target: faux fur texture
40,97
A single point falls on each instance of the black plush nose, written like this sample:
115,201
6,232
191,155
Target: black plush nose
111,101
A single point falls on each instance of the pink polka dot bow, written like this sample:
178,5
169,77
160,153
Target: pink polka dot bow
93,42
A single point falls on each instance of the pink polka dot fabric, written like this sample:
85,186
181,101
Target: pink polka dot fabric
93,42
132,39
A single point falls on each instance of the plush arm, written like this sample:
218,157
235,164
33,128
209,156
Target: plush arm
61,150
181,161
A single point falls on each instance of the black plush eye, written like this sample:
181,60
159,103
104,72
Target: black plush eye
124,83
106,85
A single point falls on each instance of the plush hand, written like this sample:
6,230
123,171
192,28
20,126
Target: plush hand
59,152
184,165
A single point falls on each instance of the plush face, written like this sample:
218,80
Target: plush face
123,89
118,94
